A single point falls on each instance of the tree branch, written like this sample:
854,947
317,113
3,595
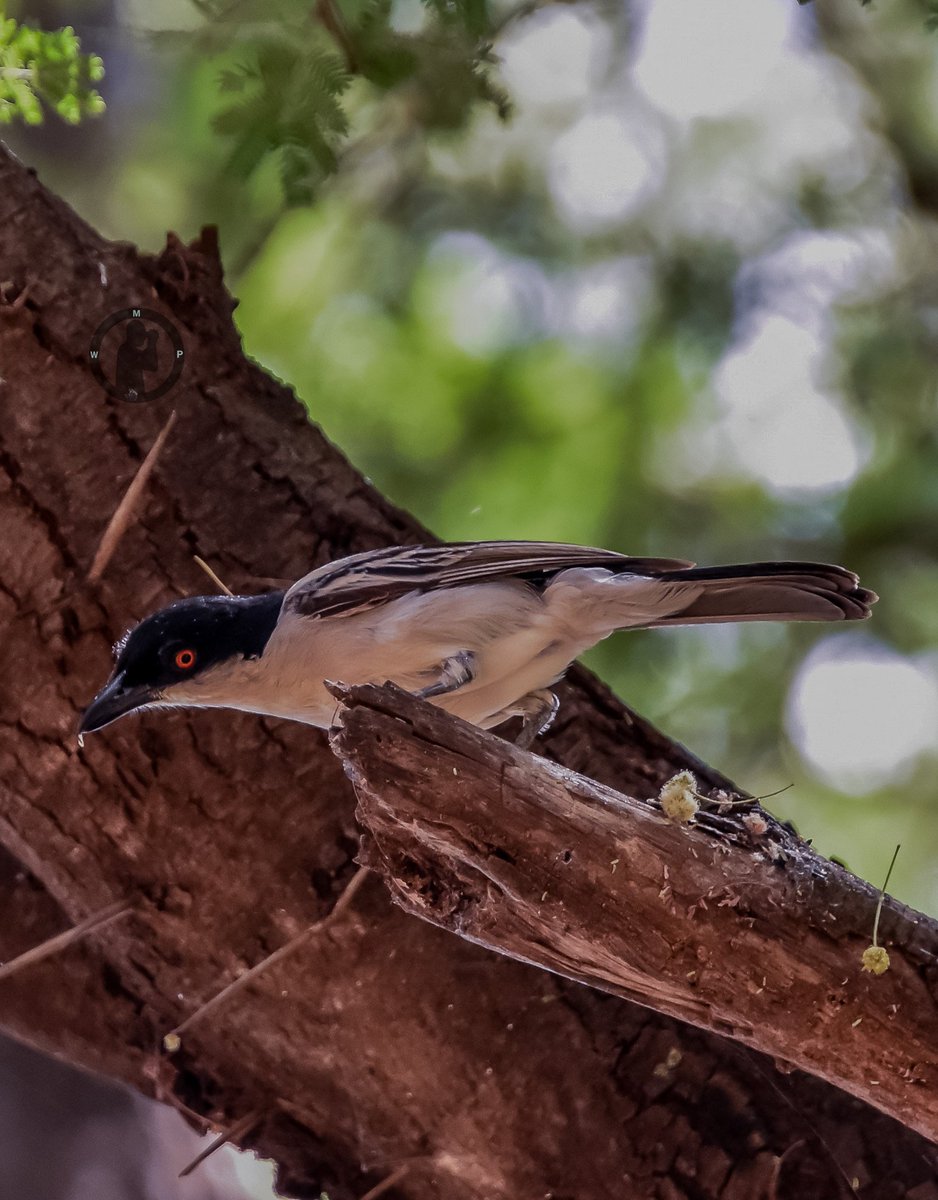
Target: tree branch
754,936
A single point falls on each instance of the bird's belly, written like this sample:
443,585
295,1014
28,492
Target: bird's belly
507,672
514,645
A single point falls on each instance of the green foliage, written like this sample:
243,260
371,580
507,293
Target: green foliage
288,105
293,66
39,67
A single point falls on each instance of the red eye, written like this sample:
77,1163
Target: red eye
185,659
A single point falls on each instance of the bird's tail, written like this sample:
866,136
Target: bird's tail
768,591
642,599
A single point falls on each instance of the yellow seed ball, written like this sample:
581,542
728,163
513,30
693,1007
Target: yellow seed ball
678,798
875,960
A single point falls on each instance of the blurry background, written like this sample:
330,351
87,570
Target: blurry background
684,301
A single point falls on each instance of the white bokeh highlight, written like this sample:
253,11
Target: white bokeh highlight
862,715
556,57
711,59
483,298
606,302
778,420
604,169
810,271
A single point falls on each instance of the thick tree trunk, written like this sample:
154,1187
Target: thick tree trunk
382,1039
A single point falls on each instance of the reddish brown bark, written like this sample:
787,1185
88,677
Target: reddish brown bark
384,1039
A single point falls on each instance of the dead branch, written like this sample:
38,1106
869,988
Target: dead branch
757,938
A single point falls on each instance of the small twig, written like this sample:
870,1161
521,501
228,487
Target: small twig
882,895
171,1040
740,800
386,1184
330,19
875,958
238,1130
124,513
222,587
54,945
777,792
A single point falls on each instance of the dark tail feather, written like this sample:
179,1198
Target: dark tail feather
773,591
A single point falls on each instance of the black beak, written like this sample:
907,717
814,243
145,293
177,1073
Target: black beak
114,700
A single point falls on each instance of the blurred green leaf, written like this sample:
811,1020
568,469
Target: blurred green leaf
294,71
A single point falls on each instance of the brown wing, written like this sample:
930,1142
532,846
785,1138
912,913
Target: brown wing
363,580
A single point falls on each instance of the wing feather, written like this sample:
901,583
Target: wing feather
377,576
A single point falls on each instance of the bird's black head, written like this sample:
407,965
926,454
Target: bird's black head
180,643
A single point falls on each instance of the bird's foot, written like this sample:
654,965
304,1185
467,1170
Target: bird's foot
537,711
454,673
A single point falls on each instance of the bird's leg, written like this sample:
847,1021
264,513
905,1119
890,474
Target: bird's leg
537,710
454,673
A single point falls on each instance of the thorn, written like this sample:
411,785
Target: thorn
22,297
303,1115
124,513
172,1038
60,941
238,1130
799,1113
386,1184
777,1167
158,1071
222,587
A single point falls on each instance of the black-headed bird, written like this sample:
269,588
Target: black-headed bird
482,629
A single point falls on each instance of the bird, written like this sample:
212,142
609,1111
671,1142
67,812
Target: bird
481,629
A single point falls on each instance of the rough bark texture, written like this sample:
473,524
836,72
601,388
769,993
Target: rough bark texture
732,922
387,1038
